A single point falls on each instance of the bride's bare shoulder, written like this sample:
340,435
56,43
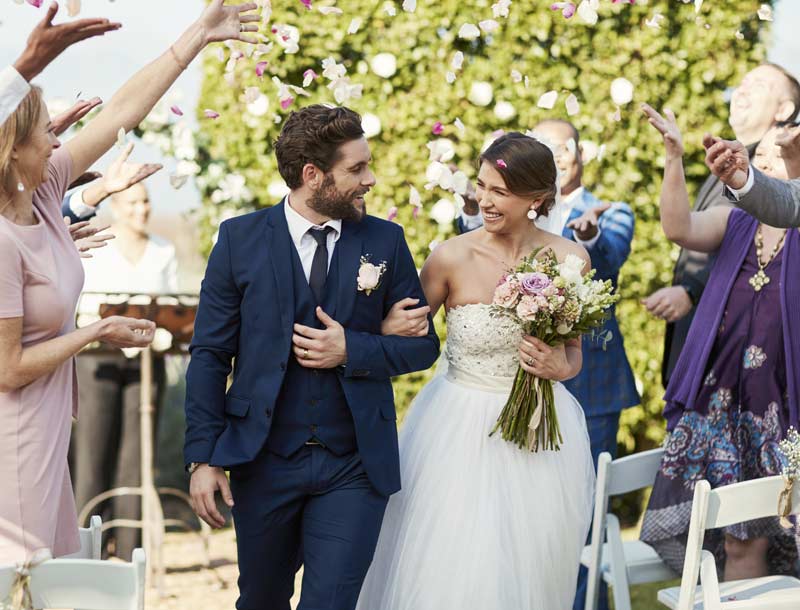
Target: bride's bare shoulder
563,247
451,251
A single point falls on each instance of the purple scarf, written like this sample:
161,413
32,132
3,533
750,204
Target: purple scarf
686,379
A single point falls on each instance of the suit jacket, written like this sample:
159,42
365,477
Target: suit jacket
772,201
605,384
691,270
67,212
244,322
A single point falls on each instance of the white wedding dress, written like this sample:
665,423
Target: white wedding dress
481,524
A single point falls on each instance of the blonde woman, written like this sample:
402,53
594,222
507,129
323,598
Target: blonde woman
40,280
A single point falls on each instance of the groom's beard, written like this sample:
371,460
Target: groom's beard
331,202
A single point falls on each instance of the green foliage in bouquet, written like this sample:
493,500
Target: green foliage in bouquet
687,62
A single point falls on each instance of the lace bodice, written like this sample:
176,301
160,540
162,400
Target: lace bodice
480,343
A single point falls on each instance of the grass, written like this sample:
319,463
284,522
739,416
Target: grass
643,597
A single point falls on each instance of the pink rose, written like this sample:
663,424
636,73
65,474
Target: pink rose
506,294
527,308
369,276
534,283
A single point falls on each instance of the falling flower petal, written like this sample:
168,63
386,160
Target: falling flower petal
73,7
306,3
516,76
502,164
409,6
548,100
36,3
121,139
697,5
384,65
308,76
176,110
481,93
458,60
460,126
392,213
261,68
567,8
617,115
286,102
469,31
437,128
572,105
500,8
450,77
765,12
488,25
587,10
655,21
354,25
330,10
176,181
211,114
621,91
251,94
441,150
390,10
331,70
415,199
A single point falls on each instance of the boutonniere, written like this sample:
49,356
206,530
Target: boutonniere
369,275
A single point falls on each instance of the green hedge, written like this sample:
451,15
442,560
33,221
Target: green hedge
687,64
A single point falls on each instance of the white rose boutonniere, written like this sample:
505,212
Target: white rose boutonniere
369,275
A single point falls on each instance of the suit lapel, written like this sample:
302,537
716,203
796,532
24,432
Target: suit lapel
349,250
577,209
279,243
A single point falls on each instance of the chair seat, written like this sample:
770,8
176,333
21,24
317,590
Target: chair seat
776,592
642,562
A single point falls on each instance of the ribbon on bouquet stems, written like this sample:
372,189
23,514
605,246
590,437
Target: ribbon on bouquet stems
785,502
19,597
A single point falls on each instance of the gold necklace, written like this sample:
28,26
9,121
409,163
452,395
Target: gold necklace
761,279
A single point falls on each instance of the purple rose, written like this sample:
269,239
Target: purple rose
534,284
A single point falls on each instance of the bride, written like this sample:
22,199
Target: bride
479,523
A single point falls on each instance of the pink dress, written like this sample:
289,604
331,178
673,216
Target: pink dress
41,277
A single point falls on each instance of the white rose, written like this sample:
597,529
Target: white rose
571,269
368,276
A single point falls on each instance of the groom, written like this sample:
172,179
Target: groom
293,299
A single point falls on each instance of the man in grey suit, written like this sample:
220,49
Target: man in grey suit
767,95
772,201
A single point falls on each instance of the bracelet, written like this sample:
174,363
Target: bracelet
176,58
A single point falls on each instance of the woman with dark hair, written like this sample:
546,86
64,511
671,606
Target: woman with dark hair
733,394
480,523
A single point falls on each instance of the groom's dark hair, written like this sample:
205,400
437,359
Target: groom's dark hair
314,135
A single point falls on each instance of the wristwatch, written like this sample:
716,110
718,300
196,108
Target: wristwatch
193,466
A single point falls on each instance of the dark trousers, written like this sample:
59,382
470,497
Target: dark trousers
105,444
314,509
603,437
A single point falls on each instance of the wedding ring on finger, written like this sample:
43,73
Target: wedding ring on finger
305,353
530,361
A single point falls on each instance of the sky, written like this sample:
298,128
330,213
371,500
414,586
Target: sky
98,67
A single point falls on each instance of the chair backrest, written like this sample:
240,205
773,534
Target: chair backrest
723,506
84,583
91,541
633,472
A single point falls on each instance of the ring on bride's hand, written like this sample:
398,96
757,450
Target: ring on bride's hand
305,353
530,361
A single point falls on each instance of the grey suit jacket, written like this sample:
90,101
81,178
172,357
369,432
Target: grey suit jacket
772,201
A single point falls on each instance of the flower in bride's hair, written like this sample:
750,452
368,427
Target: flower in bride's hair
534,283
501,163
527,308
507,292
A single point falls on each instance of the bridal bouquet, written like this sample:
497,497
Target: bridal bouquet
553,302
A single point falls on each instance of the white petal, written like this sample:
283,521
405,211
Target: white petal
450,77
330,10
548,100
73,7
414,198
516,76
460,126
458,61
697,5
121,139
505,111
621,91
469,31
481,93
251,94
409,6
443,211
488,25
587,12
460,182
384,65
765,12
572,105
371,125
354,25
390,10
176,181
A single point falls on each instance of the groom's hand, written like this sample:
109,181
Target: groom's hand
205,481
320,349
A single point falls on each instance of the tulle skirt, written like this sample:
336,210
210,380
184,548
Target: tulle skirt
479,523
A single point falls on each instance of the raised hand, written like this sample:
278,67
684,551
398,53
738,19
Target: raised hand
404,321
87,236
122,175
48,41
69,117
320,349
728,160
222,22
586,225
668,127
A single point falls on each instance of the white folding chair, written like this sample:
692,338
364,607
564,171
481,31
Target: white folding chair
87,584
719,508
91,540
620,564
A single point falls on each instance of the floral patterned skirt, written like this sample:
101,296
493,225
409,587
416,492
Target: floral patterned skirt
723,446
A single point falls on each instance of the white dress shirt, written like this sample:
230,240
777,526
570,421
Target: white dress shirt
739,193
13,89
306,245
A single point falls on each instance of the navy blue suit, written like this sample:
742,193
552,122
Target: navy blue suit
319,505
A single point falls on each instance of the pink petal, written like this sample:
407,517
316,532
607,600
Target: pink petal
36,3
286,102
392,213
176,110
306,3
260,68
415,213
310,74
211,114
501,163
568,11
437,128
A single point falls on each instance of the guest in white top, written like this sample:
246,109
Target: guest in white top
106,448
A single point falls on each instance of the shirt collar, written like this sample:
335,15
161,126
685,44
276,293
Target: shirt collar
299,225
570,199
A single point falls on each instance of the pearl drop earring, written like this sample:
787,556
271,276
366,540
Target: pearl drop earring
20,187
532,214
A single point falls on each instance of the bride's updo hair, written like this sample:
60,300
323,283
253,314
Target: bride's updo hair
527,167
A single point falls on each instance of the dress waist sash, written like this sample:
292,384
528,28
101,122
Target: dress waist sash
487,383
